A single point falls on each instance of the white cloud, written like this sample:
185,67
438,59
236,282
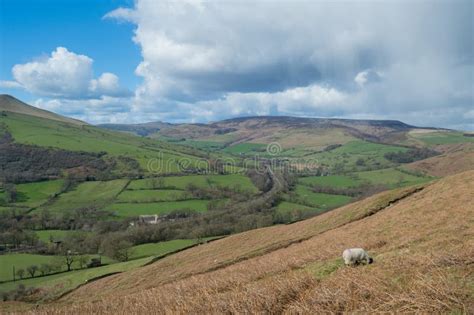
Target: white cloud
10,85
101,110
205,60
65,74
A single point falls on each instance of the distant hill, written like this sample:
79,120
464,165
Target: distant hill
143,130
10,104
257,128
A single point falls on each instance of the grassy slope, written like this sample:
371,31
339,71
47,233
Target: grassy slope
46,235
319,200
136,209
253,243
203,181
22,261
50,133
391,177
444,137
460,160
334,181
59,283
11,104
152,195
35,194
274,276
97,194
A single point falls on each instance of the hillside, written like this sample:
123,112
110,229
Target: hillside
29,129
10,104
289,130
422,240
138,129
456,160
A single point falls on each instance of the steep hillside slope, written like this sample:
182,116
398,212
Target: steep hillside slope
422,240
30,126
456,160
10,104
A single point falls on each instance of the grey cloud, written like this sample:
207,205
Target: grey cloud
205,54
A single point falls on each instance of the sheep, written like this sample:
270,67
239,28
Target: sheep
355,256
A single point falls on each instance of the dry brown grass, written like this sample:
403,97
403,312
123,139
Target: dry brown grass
458,158
423,247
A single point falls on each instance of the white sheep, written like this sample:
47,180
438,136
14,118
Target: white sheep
355,256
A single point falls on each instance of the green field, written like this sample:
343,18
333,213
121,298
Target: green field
203,181
88,194
246,148
319,200
442,137
334,181
152,195
56,235
372,155
22,261
63,282
392,178
205,145
136,209
35,194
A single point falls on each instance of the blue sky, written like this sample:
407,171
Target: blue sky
33,28
194,61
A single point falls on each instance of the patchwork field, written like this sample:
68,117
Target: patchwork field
320,200
335,181
286,206
56,235
152,195
32,194
389,177
392,178
22,261
234,181
65,281
136,209
441,137
297,267
87,194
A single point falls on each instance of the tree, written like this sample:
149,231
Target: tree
69,259
32,270
20,273
117,247
45,269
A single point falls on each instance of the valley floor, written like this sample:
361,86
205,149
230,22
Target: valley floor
422,240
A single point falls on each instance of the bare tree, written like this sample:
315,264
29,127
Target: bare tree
32,270
69,259
20,273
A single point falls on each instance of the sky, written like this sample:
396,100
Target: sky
125,61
